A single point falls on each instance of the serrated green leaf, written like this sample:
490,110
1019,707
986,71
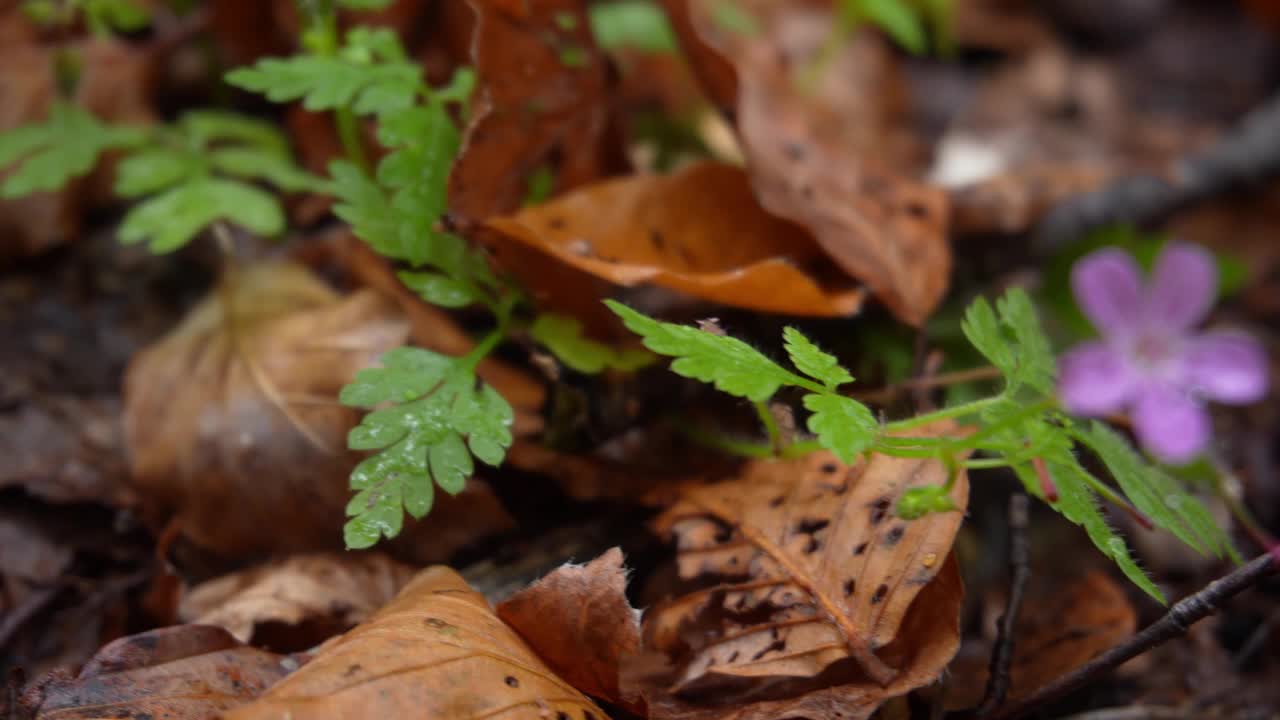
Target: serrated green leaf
407,373
332,82
1158,496
812,361
898,18
485,417
563,336
843,425
451,463
638,24
203,128
1013,341
731,365
169,220
65,146
439,289
149,171
278,170
1077,503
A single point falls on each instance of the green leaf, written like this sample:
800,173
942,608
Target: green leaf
563,336
119,15
203,128
407,373
364,4
1014,342
638,24
65,146
812,361
278,170
1158,496
169,220
728,16
427,403
439,289
731,365
843,425
898,18
149,171
332,82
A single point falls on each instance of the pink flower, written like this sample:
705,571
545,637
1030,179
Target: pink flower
1150,361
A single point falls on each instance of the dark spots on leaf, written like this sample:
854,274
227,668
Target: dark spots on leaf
562,716
658,239
806,191
511,681
813,545
917,210
556,223
894,535
795,151
849,585
352,670
809,526
588,715
879,509
733,656
778,645
878,597
777,502
829,467
862,547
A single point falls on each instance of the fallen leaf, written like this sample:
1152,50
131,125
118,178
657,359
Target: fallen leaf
1062,626
812,567
315,596
65,448
699,231
820,146
234,429
186,672
436,651
578,620
541,92
927,641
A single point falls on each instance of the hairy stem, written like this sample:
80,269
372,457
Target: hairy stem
770,425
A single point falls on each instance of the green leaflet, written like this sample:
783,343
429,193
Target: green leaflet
1013,341
562,335
65,146
638,24
169,220
812,361
843,425
431,403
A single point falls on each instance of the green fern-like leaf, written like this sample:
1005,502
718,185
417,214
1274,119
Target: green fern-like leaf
812,361
65,146
432,403
563,336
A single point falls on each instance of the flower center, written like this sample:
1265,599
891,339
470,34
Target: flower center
1152,351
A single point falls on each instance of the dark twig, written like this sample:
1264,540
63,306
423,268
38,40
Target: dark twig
1020,573
1176,622
1247,156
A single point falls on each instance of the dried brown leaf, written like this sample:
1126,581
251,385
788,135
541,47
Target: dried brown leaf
329,593
186,672
436,651
812,563
541,93
821,147
578,620
699,231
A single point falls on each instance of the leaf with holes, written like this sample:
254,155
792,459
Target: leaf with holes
810,564
435,651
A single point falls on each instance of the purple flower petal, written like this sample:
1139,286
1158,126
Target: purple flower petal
1108,288
1171,425
1094,379
1229,367
1183,286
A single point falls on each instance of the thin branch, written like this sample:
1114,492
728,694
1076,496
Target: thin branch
1020,573
1176,622
1249,155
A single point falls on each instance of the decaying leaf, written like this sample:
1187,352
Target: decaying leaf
815,154
233,416
926,643
578,620
328,592
436,651
185,672
699,231
541,84
813,566
1062,626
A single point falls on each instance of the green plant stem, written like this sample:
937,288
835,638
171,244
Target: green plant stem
324,27
1115,498
954,411
490,341
741,448
770,425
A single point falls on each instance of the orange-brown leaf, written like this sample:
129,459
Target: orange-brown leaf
185,672
580,623
817,156
699,231
813,566
436,651
541,92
